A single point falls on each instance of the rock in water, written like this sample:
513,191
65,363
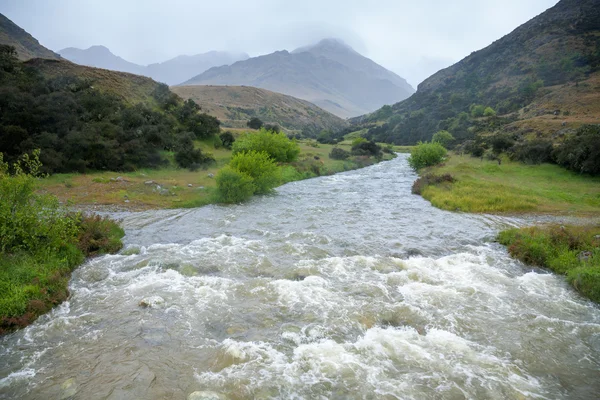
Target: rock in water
152,302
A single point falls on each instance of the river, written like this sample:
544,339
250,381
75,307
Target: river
339,287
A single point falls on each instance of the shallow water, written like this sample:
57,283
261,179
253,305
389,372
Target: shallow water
337,287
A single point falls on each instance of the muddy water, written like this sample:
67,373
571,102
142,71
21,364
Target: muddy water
338,287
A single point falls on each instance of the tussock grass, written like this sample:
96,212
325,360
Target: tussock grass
573,251
512,187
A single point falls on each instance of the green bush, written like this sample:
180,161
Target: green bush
581,152
426,154
227,139
444,138
233,186
339,154
277,145
40,244
366,148
260,167
536,151
489,112
29,221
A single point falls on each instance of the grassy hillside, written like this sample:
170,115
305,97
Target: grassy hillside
133,89
235,105
550,63
26,45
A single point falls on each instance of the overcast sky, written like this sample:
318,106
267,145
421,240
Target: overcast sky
413,38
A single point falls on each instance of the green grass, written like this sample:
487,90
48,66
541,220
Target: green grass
573,251
32,282
132,192
512,187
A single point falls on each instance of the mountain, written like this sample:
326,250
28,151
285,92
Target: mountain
235,105
26,45
100,57
540,75
171,72
329,74
181,68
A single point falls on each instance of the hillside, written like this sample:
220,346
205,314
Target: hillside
545,67
131,88
235,105
26,45
329,74
171,72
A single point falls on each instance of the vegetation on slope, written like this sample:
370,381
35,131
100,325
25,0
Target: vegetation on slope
543,58
235,105
573,251
40,244
80,123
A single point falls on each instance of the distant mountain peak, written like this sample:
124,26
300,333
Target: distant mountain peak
327,44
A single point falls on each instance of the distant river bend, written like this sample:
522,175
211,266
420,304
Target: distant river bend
340,287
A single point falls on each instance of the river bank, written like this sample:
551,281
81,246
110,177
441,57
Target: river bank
172,187
511,188
342,286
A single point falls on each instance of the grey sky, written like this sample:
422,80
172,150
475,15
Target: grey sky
413,38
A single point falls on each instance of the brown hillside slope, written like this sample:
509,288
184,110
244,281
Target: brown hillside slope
235,105
26,45
132,88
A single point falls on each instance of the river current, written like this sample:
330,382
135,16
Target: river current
339,287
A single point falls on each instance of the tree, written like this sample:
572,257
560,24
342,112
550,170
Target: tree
255,123
477,110
489,112
273,128
227,139
444,138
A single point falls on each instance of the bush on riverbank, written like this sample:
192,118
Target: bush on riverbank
573,251
426,154
277,145
40,244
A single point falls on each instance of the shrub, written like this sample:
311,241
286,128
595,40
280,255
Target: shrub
532,152
233,186
366,148
272,128
187,156
29,221
99,235
277,145
477,111
489,112
444,138
260,167
426,154
254,123
430,179
501,143
581,152
339,154
227,139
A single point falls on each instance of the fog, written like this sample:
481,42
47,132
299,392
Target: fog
412,38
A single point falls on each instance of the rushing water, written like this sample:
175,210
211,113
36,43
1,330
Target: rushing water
338,287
